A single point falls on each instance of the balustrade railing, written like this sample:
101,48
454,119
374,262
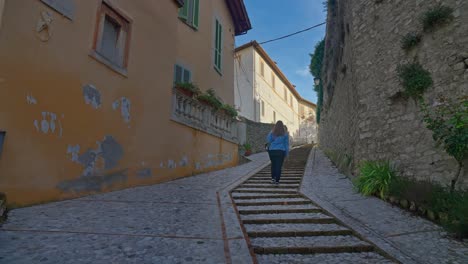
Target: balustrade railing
191,112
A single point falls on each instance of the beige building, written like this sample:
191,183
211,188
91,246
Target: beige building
264,94
88,100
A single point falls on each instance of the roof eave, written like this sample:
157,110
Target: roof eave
239,16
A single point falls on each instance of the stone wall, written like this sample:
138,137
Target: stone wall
364,118
256,134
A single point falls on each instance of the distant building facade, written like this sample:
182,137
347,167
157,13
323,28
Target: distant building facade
264,94
88,100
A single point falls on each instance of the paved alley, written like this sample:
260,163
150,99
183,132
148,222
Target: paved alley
230,216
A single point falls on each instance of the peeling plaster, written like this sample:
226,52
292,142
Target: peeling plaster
144,173
92,95
47,124
171,164
30,99
93,183
124,104
184,162
214,160
74,151
109,151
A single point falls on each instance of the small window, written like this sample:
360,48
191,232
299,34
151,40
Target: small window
181,74
263,108
273,80
290,100
285,94
218,46
262,68
113,35
274,116
190,13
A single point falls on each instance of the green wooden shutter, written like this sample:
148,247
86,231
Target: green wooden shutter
220,46
196,13
178,73
183,11
216,44
187,76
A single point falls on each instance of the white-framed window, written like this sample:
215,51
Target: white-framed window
190,13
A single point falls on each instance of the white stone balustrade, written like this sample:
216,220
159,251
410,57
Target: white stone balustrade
190,112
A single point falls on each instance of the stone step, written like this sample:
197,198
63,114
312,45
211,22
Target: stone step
289,221
285,216
273,200
299,233
280,211
274,191
285,178
279,207
285,182
269,185
265,196
294,228
272,203
330,258
309,245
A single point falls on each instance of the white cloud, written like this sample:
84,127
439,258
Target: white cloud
303,72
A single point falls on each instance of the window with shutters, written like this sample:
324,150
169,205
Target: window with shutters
112,41
263,108
190,13
218,46
181,74
262,68
273,80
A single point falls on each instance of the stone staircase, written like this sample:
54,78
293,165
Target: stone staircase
284,226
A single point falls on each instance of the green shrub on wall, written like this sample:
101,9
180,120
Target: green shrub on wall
448,122
435,17
410,40
375,178
415,79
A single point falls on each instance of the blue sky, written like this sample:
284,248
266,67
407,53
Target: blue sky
275,18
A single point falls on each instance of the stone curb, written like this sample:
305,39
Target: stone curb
368,234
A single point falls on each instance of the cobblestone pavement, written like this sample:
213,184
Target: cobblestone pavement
190,220
284,226
408,238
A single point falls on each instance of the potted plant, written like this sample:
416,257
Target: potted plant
229,110
248,149
187,88
210,98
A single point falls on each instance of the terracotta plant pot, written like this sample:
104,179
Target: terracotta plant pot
185,92
248,152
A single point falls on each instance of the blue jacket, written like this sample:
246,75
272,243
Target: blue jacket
278,143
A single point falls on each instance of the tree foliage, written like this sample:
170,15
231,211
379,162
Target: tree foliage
315,67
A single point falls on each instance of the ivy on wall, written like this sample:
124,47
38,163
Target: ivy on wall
315,67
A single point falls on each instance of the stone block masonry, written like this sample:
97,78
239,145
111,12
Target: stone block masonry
364,115
256,134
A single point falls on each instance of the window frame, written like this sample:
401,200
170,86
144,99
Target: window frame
125,22
273,80
262,68
184,70
218,46
194,21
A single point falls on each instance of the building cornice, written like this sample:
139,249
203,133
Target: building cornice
239,16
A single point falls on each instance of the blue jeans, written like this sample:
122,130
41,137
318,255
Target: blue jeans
277,159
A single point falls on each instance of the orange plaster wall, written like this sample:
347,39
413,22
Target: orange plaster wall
35,166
